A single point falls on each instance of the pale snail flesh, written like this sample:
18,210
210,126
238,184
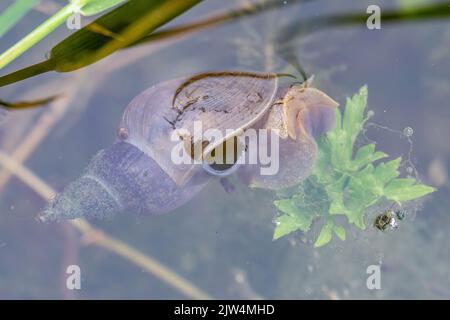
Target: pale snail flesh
137,174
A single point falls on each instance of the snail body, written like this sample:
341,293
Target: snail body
138,172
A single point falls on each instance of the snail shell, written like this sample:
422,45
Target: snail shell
137,173
226,101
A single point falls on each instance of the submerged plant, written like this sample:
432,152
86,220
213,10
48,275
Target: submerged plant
345,181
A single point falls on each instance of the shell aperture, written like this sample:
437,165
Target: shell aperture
299,115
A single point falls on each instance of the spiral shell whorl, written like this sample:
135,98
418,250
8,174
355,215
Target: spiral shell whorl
121,178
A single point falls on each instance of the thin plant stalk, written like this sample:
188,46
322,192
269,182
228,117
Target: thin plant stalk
37,35
14,13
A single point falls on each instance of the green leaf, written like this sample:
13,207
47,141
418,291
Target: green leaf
297,215
323,169
412,5
354,114
336,196
366,155
358,220
286,206
94,7
14,13
400,190
400,183
324,235
363,182
343,184
340,232
341,151
385,172
129,22
287,224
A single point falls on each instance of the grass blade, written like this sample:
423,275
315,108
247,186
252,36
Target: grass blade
125,25
35,36
94,7
14,13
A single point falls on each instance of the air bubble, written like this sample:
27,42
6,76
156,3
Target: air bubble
408,131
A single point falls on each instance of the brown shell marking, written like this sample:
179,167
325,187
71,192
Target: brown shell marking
220,100
223,100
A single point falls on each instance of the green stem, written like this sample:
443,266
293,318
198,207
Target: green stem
14,13
37,35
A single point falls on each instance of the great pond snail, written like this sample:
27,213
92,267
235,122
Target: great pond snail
138,172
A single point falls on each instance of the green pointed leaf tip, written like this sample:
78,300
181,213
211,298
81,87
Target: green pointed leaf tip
287,206
287,224
340,232
353,119
406,193
366,155
346,180
387,171
325,235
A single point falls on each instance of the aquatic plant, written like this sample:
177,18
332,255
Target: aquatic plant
345,181
132,23
20,8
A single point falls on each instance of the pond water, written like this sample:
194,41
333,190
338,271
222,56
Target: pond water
222,242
